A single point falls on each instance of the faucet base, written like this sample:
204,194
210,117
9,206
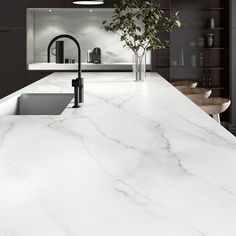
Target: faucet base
78,91
76,106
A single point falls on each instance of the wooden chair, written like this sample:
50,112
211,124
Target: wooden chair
181,84
213,106
196,93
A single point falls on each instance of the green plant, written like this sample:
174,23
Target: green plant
138,23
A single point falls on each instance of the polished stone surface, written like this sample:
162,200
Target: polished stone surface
84,66
137,159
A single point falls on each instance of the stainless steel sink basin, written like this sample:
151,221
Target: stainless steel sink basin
36,104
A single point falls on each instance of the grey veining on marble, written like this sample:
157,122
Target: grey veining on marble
137,159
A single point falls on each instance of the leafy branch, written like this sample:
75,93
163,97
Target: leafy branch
138,23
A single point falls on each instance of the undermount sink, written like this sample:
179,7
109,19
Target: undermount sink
36,104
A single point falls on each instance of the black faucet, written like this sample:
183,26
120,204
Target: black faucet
78,83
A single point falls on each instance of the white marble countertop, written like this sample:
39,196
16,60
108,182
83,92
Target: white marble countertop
137,159
85,66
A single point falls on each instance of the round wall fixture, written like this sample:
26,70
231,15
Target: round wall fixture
89,2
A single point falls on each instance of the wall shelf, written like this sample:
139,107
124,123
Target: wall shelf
200,27
195,18
192,68
197,68
195,48
216,28
196,9
217,88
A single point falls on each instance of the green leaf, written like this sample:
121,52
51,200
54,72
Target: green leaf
178,23
138,22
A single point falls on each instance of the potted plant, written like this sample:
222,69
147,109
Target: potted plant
138,23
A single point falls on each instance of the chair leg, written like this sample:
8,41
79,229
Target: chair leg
217,117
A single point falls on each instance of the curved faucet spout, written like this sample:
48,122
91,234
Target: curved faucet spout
77,44
78,83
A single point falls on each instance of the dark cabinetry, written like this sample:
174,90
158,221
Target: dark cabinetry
233,13
46,3
12,14
233,61
12,60
161,57
33,76
12,46
65,4
110,4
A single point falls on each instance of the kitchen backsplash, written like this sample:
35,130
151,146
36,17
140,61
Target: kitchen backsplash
85,25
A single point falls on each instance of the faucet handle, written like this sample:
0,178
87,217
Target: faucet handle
78,85
79,82
75,83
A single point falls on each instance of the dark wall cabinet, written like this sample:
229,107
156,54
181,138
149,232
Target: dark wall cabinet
12,46
33,76
233,15
12,60
12,14
233,62
65,4
47,3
